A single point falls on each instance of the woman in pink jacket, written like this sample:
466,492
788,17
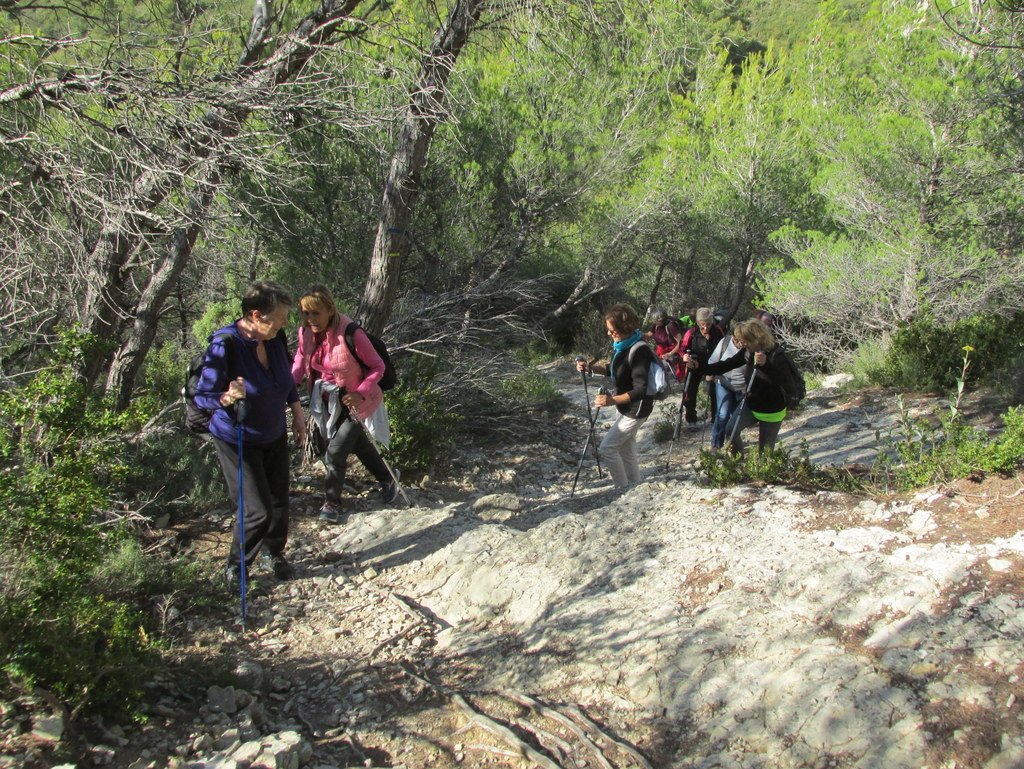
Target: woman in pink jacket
343,394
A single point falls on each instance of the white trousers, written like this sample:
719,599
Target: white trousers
618,451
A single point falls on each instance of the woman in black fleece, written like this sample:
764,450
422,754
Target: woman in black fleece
628,369
765,401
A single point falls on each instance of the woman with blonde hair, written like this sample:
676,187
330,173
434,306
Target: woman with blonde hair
765,399
344,394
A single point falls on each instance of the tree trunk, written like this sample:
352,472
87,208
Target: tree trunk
128,359
653,301
108,300
426,109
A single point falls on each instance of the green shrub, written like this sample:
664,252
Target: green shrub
535,390
921,452
662,430
721,468
927,356
868,361
62,461
421,426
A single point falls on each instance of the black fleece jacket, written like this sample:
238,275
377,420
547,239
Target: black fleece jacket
766,395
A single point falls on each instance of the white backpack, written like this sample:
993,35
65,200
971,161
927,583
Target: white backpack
659,375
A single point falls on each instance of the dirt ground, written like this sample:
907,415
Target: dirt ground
352,664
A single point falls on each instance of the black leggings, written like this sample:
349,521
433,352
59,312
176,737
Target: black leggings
767,432
264,495
351,438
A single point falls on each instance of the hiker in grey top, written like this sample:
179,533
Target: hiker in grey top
728,391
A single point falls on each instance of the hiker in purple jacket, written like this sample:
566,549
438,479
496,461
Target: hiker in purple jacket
248,360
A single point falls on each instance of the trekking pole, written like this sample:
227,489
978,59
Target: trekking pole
679,418
241,409
590,438
376,445
590,416
739,407
707,414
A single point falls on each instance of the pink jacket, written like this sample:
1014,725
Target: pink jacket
347,371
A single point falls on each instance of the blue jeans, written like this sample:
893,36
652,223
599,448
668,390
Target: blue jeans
727,400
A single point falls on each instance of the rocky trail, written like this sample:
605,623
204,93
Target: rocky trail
498,622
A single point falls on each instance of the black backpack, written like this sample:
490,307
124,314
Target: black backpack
197,420
390,378
790,378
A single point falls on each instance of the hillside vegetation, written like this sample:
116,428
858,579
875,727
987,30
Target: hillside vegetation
855,169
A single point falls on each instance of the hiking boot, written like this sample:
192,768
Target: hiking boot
330,513
390,491
277,564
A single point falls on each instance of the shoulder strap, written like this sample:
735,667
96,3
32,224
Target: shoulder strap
632,349
229,346
350,341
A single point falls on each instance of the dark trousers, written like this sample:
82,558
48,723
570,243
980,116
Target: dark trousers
264,495
767,432
690,400
351,438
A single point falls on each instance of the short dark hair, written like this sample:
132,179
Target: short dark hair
265,296
623,319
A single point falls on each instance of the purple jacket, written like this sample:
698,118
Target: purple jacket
268,392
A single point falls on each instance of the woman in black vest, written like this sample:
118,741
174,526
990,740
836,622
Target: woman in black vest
631,360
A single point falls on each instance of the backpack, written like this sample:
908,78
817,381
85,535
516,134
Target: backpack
390,378
791,379
197,420
659,375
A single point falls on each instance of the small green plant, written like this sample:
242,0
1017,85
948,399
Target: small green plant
923,451
421,425
777,465
662,430
534,390
868,360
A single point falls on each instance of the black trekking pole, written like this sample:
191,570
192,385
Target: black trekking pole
707,414
679,417
590,439
738,411
241,409
590,416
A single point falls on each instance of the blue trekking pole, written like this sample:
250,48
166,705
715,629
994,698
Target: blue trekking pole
241,407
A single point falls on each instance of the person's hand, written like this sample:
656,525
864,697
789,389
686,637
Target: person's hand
352,400
235,392
299,430
760,358
603,400
581,364
691,362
